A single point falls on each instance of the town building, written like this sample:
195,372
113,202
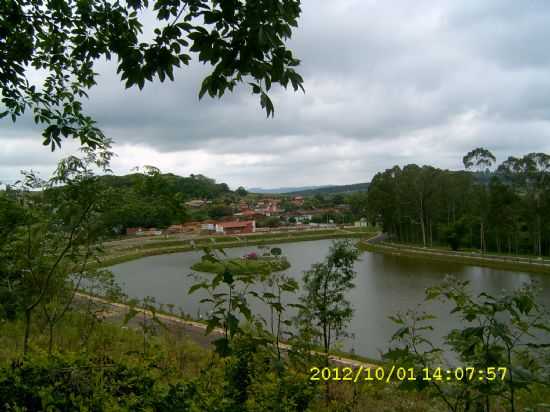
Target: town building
297,201
361,222
130,231
299,217
243,206
189,227
208,225
236,227
196,203
140,231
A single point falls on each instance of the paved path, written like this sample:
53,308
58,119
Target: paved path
379,237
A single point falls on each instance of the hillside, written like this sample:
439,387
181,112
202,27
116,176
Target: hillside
194,186
332,190
157,200
283,190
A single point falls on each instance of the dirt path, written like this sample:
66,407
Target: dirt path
514,262
195,330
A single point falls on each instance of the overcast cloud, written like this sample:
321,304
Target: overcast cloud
386,83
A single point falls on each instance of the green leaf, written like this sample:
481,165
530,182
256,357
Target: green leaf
212,323
401,332
222,347
228,276
232,324
196,287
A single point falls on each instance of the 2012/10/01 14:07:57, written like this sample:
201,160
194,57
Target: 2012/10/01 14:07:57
369,374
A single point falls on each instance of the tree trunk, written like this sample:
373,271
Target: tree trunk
482,237
50,341
431,233
27,331
423,226
539,233
422,221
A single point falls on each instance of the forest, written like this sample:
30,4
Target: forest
503,209
155,199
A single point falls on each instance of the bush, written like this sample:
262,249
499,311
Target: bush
79,382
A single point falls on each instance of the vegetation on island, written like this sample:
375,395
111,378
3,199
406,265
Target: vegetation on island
250,264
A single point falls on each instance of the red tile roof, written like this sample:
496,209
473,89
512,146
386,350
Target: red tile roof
244,223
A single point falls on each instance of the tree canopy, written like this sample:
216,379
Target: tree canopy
63,40
503,211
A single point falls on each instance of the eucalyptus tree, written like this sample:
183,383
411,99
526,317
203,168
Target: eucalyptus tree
530,176
505,217
508,209
244,42
383,202
480,160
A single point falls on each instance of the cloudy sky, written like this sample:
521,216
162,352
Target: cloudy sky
386,83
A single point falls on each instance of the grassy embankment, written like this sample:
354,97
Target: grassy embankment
171,357
147,247
496,261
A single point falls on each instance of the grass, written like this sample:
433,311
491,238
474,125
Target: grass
447,256
243,266
107,339
182,360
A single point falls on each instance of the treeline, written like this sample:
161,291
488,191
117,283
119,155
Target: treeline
506,210
149,198
331,190
154,199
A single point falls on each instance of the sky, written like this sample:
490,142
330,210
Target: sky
387,83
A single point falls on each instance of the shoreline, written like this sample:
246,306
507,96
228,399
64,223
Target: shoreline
511,263
194,327
145,250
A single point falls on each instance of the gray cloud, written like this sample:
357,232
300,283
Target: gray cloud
386,83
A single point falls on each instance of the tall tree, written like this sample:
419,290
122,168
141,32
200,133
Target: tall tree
501,211
326,285
531,175
478,159
58,237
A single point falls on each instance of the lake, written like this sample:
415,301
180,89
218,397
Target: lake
384,285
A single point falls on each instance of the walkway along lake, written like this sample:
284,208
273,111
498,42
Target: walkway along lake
384,285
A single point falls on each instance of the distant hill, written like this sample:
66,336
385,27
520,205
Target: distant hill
192,187
281,190
332,190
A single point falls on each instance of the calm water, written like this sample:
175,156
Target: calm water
384,285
